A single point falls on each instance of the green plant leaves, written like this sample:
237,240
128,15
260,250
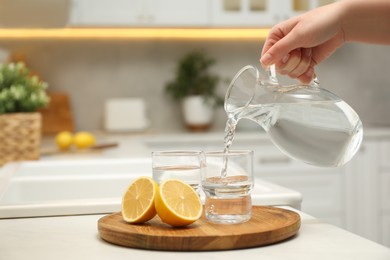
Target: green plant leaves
193,78
19,91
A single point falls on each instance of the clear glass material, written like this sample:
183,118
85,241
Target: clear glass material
306,122
228,197
182,165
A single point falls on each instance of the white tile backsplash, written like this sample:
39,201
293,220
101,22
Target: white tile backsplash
92,71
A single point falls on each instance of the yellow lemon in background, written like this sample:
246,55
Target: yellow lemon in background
84,140
64,140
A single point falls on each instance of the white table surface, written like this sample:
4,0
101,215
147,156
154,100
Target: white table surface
76,237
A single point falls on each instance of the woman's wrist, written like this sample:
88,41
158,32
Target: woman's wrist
365,21
345,18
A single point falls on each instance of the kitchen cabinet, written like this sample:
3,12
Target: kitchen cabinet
322,188
187,13
172,13
355,196
384,188
263,13
145,13
385,208
296,7
105,13
257,13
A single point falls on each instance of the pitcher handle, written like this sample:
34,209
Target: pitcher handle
315,82
271,72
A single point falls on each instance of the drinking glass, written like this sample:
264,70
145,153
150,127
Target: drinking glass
227,182
182,165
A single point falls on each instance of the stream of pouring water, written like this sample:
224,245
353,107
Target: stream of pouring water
228,140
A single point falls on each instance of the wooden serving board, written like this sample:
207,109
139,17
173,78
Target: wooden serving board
268,225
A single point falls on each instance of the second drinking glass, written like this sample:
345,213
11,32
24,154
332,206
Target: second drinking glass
182,165
227,181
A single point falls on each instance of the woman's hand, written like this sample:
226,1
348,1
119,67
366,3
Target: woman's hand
298,44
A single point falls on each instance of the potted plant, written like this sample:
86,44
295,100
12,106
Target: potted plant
195,87
21,95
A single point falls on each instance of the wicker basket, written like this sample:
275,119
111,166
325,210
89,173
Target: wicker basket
20,137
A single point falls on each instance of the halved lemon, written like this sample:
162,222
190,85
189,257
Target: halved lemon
138,200
177,203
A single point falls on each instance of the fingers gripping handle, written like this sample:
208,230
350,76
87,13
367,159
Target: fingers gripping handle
271,72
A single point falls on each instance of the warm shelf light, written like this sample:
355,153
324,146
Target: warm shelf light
133,33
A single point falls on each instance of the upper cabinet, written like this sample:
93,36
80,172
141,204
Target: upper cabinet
259,13
150,13
105,13
175,13
140,13
187,13
296,7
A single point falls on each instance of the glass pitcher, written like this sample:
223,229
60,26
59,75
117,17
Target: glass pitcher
305,121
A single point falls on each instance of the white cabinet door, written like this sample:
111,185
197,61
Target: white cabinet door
106,13
384,194
322,190
171,13
140,13
385,231
259,13
184,13
297,7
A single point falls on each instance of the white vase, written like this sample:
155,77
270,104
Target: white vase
198,114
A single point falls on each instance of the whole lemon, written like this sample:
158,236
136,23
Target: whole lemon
64,140
84,140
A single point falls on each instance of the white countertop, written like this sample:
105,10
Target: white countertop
76,237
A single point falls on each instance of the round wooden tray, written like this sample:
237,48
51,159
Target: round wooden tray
268,225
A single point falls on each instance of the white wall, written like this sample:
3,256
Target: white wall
92,71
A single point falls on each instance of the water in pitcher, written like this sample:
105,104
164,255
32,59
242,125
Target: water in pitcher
323,133
306,122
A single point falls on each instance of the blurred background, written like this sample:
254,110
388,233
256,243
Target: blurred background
111,65
108,63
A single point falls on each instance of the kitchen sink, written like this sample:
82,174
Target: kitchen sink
74,187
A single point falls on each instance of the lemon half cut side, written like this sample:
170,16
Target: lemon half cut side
138,200
177,203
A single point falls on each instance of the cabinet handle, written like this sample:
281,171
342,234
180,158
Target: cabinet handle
273,160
